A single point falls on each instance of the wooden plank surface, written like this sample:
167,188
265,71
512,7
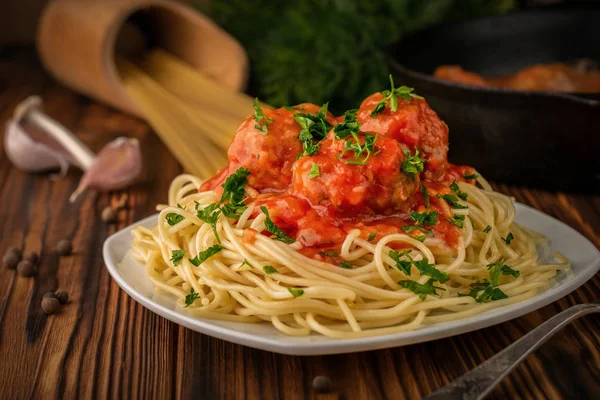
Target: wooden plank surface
105,345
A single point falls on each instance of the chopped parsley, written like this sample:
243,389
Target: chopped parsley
191,298
177,256
259,116
210,215
173,218
349,127
425,194
412,165
421,238
472,176
452,200
314,171
430,270
234,192
269,270
365,149
422,220
329,253
508,238
461,195
483,291
487,229
372,236
314,127
457,221
421,289
206,254
402,265
499,268
346,264
246,263
295,292
392,95
274,229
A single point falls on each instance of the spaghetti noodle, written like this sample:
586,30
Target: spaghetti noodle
250,246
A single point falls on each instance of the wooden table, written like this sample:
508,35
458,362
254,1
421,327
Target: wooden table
105,344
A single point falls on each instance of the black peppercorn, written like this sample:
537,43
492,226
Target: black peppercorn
50,294
10,260
64,247
63,297
32,257
50,305
109,214
322,384
26,268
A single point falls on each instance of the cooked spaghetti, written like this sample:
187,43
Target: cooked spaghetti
349,227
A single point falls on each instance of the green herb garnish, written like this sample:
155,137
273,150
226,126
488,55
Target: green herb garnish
269,270
191,298
345,264
314,171
246,262
274,229
457,221
359,149
349,127
430,270
210,215
314,128
508,238
412,165
403,92
487,229
259,116
425,194
295,292
205,255
421,289
461,195
177,256
452,200
483,291
372,236
472,176
402,265
173,218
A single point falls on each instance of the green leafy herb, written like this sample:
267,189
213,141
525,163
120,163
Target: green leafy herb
234,192
508,238
295,292
191,298
483,291
421,238
349,127
314,171
180,206
421,289
360,149
402,265
345,264
274,229
372,236
430,270
487,229
210,215
247,263
314,129
425,194
259,116
457,221
452,200
461,195
471,176
329,253
173,218
412,165
422,220
499,268
205,255
402,92
269,270
177,256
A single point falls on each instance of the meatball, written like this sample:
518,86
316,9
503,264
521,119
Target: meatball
269,156
414,124
343,189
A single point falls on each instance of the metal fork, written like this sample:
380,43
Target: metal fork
480,381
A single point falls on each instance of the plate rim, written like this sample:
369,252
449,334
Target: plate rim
341,346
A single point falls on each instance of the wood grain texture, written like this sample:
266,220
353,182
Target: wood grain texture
105,345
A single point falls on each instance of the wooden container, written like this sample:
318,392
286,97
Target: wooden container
77,39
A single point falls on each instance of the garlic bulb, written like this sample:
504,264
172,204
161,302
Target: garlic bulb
35,142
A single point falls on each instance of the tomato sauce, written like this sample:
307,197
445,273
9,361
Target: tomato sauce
345,185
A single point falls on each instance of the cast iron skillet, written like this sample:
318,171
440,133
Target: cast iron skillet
538,139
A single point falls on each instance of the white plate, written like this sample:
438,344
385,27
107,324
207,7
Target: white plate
131,277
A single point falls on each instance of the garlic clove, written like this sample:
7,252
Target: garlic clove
116,166
29,155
